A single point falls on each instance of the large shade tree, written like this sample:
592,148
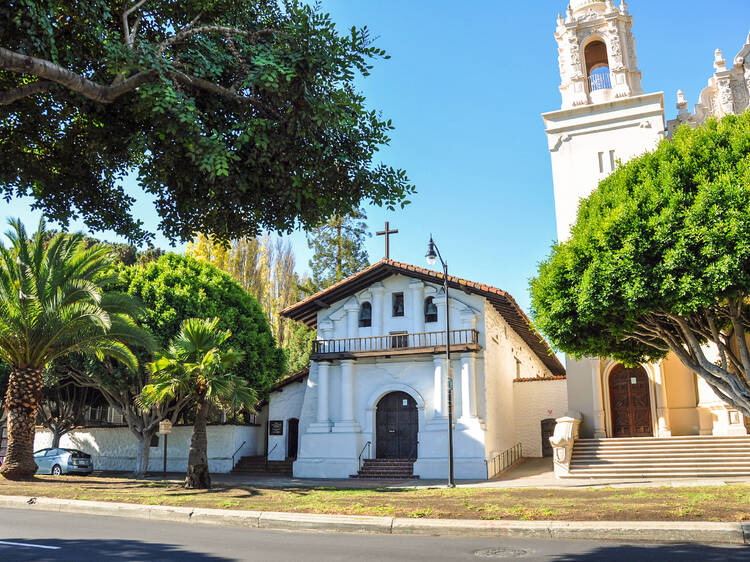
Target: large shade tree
197,365
237,116
658,262
173,289
53,303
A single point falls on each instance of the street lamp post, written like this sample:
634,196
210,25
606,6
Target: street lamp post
433,254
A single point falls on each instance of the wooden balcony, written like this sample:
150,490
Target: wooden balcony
424,343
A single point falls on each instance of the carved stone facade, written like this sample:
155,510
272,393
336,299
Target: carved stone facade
588,23
727,92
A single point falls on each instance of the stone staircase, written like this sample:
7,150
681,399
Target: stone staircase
258,466
674,457
386,469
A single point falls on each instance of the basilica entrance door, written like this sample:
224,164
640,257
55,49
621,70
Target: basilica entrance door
396,426
630,402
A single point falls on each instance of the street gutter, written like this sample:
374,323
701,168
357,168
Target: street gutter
627,531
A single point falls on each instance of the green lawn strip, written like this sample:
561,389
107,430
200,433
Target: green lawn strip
710,503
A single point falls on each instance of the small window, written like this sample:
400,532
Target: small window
365,315
430,310
612,160
601,162
518,368
398,304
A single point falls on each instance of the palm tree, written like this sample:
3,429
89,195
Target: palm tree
194,365
53,302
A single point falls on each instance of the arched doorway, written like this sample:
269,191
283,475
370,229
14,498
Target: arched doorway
396,427
630,402
548,430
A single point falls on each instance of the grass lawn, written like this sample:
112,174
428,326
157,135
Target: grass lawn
710,503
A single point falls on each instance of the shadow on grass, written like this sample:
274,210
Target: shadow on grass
659,553
96,549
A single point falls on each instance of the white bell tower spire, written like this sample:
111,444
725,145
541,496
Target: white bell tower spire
597,53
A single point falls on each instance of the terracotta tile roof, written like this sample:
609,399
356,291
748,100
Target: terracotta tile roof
306,311
542,379
296,377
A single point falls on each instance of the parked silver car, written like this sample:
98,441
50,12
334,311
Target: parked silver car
63,461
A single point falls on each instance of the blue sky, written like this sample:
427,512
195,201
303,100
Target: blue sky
465,88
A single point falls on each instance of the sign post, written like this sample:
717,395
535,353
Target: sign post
165,428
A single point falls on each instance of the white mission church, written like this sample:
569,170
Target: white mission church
374,402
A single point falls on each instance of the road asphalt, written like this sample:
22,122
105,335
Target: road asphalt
39,535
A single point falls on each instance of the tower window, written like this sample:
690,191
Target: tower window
398,304
430,310
601,162
612,160
365,315
597,66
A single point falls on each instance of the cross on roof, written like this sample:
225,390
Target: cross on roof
387,233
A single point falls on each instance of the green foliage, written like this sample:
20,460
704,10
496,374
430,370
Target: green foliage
338,250
659,260
175,288
53,302
195,365
299,348
237,116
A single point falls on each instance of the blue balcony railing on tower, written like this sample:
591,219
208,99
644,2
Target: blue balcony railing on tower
600,79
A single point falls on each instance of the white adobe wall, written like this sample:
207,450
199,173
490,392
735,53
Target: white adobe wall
284,404
504,346
116,448
536,401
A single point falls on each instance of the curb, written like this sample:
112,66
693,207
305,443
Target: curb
628,531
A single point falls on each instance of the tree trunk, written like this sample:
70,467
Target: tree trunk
22,403
56,435
197,470
144,454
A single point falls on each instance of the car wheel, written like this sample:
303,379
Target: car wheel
56,470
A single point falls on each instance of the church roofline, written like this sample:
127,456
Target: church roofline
306,311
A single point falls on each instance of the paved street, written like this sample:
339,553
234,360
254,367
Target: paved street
52,536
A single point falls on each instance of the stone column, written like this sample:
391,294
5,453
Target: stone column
417,307
377,291
662,407
439,393
347,423
352,325
600,431
468,386
322,423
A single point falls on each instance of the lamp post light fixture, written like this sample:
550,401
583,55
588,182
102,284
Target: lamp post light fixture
433,254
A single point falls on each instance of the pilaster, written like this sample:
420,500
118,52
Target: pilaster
347,424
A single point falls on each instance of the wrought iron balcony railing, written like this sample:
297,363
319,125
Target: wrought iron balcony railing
600,81
397,343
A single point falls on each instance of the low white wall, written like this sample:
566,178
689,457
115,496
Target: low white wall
116,448
284,405
535,401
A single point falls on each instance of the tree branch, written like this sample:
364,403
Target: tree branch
190,30
16,62
9,96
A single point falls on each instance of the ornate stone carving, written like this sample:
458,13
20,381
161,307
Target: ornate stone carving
726,99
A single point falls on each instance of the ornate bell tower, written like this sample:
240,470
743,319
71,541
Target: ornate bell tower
605,119
597,53
605,115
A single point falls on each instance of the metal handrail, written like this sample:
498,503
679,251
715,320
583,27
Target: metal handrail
503,461
269,454
395,342
237,451
600,81
369,451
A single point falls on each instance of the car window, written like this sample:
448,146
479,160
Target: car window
41,452
53,452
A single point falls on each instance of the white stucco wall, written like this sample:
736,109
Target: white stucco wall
284,404
536,401
117,448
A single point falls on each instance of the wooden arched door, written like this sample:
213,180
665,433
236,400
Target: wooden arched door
396,427
630,402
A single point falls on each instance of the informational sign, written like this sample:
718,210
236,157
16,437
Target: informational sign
276,427
165,427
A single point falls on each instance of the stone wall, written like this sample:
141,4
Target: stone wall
116,448
534,401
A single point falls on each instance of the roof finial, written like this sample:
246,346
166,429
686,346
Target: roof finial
719,62
624,7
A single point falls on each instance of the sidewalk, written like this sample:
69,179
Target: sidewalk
676,532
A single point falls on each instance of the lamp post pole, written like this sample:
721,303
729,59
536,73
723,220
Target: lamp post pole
433,252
